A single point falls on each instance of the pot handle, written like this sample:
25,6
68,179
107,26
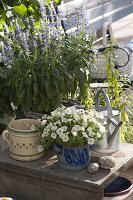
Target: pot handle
108,105
5,136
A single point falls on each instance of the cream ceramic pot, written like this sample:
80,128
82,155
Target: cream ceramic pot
23,140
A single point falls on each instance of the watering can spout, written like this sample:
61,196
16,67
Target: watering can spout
113,135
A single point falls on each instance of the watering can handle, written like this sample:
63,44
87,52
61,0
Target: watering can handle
106,100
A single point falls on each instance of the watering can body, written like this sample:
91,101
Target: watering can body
111,139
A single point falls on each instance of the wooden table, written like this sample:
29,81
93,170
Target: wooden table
43,179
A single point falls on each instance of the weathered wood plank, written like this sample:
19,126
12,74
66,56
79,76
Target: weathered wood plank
46,179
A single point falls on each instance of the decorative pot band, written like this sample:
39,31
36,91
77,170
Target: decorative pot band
73,158
24,140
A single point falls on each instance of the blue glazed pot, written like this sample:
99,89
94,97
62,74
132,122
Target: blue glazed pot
73,158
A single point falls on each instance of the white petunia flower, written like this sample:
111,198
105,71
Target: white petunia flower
68,111
59,130
33,128
101,116
61,135
45,133
74,129
44,117
78,127
90,141
89,129
53,135
66,134
63,119
43,122
74,133
65,138
99,135
64,128
84,124
40,148
85,134
53,128
76,117
57,123
102,129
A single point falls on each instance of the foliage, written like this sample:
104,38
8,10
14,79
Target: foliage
2,127
128,133
44,66
72,126
118,90
5,98
19,9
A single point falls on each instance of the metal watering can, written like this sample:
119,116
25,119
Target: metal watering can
111,140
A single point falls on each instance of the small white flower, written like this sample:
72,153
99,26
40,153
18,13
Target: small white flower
40,148
65,138
45,133
66,134
33,128
59,131
68,111
53,128
61,135
102,129
84,124
53,135
90,141
78,127
89,129
43,122
74,129
101,116
85,134
64,128
50,125
69,120
57,123
44,117
99,135
76,117
74,133
65,120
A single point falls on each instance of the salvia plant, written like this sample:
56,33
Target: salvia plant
43,65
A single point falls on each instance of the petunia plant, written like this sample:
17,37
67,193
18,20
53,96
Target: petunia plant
71,126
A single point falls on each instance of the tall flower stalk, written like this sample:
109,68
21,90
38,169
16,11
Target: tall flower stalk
43,65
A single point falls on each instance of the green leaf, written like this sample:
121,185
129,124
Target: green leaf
35,87
34,2
22,10
11,2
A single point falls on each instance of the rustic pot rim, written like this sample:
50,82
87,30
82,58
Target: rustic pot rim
23,130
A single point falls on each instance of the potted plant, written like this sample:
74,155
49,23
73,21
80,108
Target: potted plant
44,66
73,131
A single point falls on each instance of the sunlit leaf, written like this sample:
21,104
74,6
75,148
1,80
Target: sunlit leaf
20,9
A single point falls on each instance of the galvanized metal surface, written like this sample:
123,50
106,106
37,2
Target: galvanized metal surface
111,140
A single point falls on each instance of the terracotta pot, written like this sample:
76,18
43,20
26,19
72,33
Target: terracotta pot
23,141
